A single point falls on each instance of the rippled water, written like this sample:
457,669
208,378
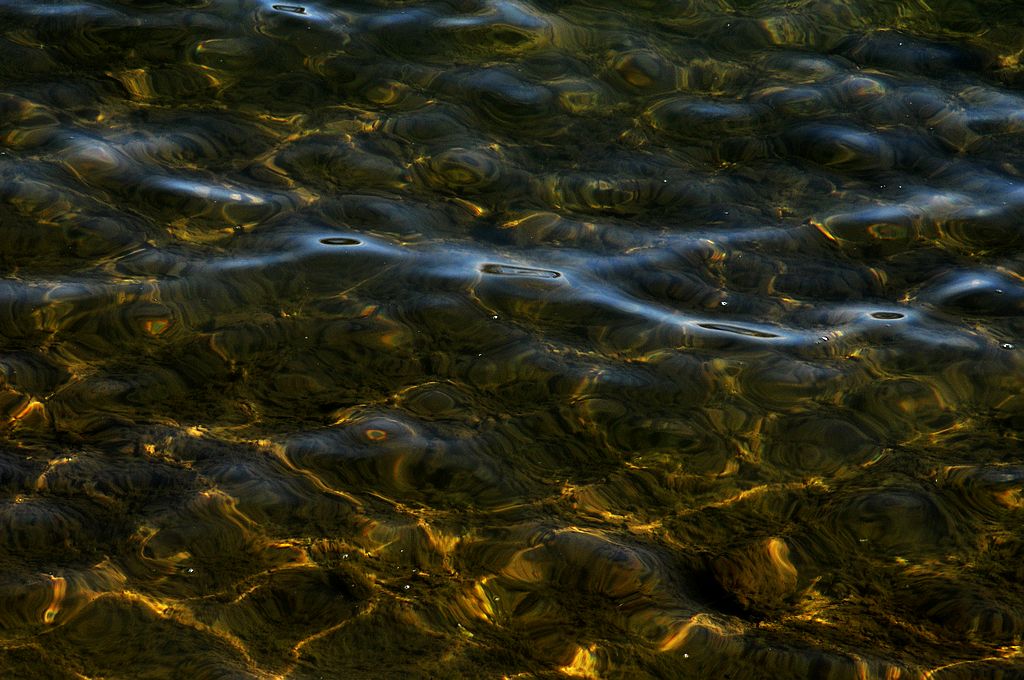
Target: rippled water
489,338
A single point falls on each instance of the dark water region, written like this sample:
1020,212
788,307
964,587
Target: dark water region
493,338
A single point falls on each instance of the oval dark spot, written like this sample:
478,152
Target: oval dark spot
886,315
738,330
340,241
512,270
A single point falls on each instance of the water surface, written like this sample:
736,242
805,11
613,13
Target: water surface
489,338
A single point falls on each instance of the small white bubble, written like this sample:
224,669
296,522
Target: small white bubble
345,556
494,316
406,587
190,570
1007,345
724,303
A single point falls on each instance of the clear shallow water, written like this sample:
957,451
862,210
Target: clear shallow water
500,339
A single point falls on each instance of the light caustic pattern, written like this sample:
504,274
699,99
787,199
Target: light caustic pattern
487,338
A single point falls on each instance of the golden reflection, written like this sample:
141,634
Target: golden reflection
501,339
53,608
584,664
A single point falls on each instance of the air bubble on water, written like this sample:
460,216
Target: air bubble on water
494,316
724,303
406,587
1007,345
345,556
190,570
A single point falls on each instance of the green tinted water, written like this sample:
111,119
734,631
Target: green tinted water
484,339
